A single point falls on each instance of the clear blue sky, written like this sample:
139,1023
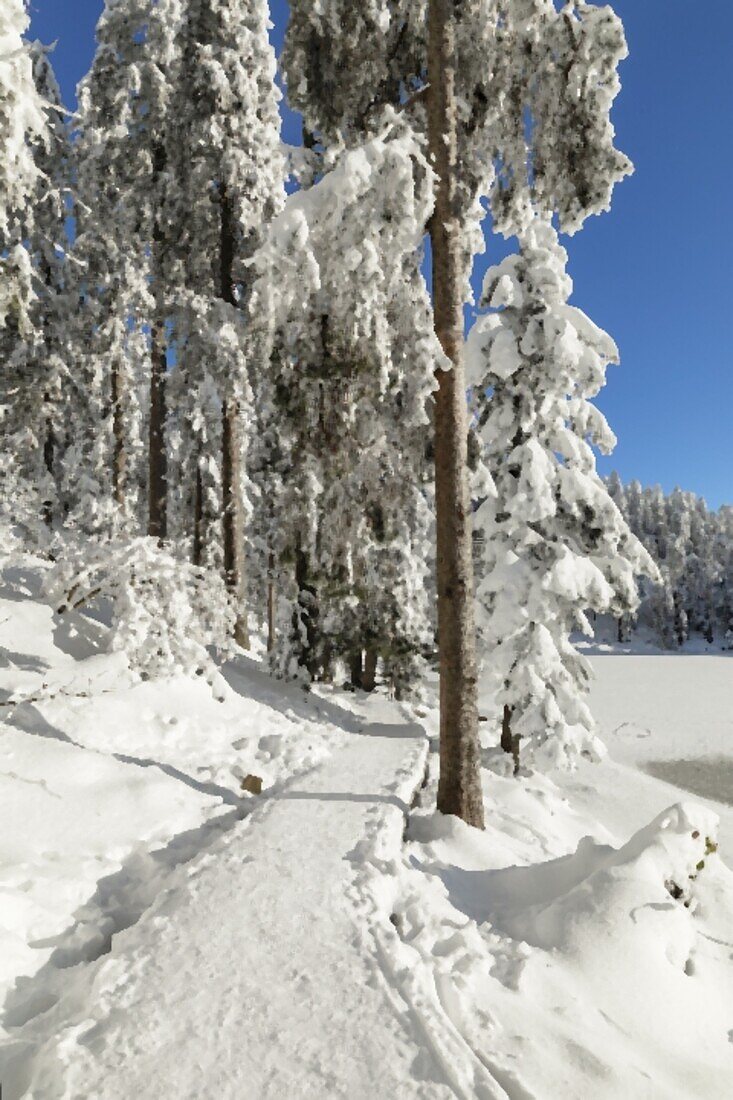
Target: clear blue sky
657,271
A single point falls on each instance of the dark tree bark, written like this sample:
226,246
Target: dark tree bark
308,612
157,456
49,454
157,453
356,669
325,674
459,789
232,504
369,679
49,440
198,516
509,741
270,602
119,451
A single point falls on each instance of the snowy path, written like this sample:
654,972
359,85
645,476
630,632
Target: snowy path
247,979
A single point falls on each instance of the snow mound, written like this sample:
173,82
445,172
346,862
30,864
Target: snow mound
600,972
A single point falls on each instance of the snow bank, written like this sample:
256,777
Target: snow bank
601,972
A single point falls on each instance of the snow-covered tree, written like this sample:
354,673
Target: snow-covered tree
518,98
121,252
556,544
224,151
525,60
23,130
36,381
691,546
22,123
346,409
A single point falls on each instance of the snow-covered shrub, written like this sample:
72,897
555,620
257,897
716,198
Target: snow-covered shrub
21,508
165,612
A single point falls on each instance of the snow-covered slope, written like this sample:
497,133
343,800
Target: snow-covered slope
106,784
163,934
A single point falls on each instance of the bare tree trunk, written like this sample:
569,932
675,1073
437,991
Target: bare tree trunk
356,669
49,452
232,504
459,789
157,453
509,741
119,452
232,517
157,457
369,679
270,602
198,516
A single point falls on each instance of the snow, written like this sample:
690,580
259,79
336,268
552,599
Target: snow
571,969
113,780
164,934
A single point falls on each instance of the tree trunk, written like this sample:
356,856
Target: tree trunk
325,674
356,669
369,679
232,517
232,504
198,516
157,457
270,602
459,789
157,454
119,453
509,742
307,613
49,451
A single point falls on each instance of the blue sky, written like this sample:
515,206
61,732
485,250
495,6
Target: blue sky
657,271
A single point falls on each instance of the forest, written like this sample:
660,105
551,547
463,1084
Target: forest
273,477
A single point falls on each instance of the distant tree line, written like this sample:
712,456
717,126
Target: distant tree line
693,550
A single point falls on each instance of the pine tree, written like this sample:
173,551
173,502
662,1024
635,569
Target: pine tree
344,416
124,285
22,123
36,379
23,128
223,146
691,546
346,67
556,543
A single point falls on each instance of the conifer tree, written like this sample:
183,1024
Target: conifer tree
690,544
223,146
36,379
502,83
345,413
556,544
22,123
22,129
121,250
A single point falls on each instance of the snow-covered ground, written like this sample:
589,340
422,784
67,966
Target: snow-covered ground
163,934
